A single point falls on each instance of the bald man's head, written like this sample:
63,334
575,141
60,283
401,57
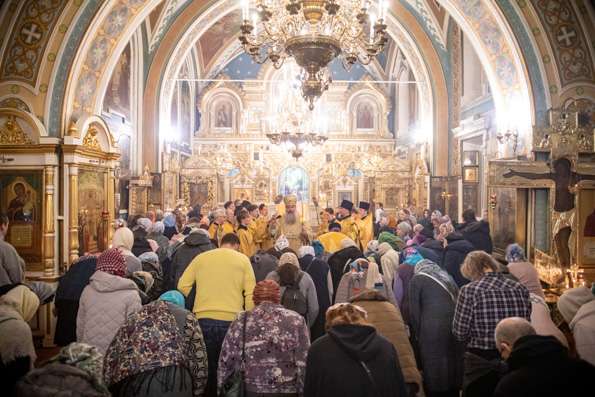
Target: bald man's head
508,331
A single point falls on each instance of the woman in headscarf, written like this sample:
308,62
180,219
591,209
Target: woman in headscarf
150,263
75,371
352,359
432,296
156,234
274,341
389,261
387,320
364,275
291,280
158,351
526,274
68,295
321,275
123,240
17,353
404,274
107,301
170,229
395,241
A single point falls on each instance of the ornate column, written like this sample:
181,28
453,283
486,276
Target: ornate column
111,204
48,225
73,224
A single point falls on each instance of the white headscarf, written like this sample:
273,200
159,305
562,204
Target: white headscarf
281,243
306,250
123,238
373,276
347,242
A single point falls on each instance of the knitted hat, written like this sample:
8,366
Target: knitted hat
281,243
174,297
111,261
306,250
288,257
266,291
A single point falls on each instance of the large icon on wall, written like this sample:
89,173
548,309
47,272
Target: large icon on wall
223,115
91,208
365,116
294,180
20,199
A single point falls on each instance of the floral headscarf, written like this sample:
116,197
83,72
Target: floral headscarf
515,253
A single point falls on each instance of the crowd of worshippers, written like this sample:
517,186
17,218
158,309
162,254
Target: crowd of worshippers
239,303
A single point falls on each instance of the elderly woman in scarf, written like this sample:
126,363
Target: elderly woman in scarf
364,275
77,368
68,295
527,275
289,275
389,261
432,296
395,242
17,353
169,223
158,351
123,240
411,257
321,276
275,342
106,302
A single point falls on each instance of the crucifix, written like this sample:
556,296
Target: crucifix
565,180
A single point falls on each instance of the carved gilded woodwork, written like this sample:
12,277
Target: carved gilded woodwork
90,140
11,133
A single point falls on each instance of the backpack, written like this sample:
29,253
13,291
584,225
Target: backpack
293,299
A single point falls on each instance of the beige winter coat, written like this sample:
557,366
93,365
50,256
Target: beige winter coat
104,306
387,320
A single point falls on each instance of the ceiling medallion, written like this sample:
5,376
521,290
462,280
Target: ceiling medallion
314,33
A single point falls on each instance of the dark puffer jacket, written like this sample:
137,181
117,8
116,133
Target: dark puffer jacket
540,366
454,255
194,244
432,249
478,234
334,365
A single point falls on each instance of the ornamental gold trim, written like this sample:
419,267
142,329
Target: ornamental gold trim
11,133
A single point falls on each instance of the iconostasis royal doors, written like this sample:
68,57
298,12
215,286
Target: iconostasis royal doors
90,157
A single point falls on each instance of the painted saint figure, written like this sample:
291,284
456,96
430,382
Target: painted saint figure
564,207
21,208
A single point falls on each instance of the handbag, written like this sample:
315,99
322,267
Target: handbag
235,384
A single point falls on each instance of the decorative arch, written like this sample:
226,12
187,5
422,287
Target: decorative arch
222,109
94,134
367,109
20,128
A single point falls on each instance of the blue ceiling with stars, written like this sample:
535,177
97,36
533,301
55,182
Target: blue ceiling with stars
242,67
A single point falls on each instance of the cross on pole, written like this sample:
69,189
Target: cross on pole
566,36
31,34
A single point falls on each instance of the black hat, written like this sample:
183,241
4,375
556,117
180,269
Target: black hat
334,225
364,205
346,204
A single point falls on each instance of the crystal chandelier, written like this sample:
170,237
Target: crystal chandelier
314,33
296,141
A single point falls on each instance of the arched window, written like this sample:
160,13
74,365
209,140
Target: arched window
294,180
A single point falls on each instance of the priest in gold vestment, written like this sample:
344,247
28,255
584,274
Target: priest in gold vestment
349,225
331,241
291,225
220,226
365,223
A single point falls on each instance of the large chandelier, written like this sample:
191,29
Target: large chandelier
313,32
296,142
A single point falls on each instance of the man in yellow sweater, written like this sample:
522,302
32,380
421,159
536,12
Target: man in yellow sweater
224,282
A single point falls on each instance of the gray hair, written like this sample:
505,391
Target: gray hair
511,329
418,228
157,227
218,212
404,226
